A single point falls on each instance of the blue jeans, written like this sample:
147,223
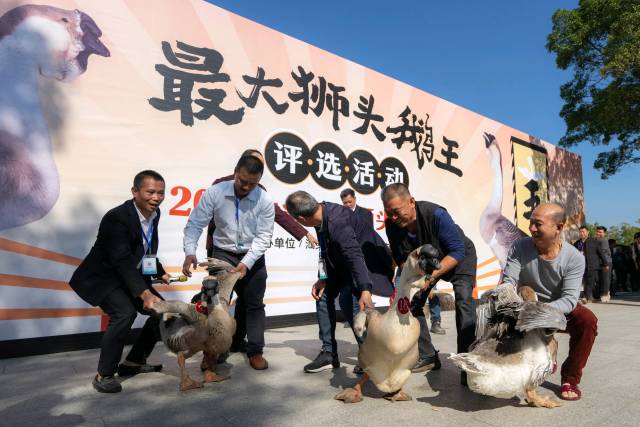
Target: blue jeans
434,309
326,314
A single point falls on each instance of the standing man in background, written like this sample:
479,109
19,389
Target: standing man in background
348,197
607,267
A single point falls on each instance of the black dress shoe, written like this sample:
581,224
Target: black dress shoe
106,384
127,371
429,363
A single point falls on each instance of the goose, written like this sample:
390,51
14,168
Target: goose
515,350
35,41
187,329
496,230
390,347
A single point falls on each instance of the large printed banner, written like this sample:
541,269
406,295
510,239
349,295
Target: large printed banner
91,92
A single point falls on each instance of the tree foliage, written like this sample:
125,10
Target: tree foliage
600,42
622,233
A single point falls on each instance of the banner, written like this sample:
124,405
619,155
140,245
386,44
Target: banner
92,92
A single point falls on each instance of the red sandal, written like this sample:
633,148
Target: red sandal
568,387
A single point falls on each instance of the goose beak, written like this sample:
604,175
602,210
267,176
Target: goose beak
91,40
488,139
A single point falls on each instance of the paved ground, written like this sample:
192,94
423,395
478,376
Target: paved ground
56,390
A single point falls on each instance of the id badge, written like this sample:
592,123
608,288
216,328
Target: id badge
322,269
149,265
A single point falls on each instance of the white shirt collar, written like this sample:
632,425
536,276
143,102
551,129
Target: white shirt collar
142,218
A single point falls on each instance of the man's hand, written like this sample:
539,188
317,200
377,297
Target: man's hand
427,283
189,261
312,240
317,290
166,278
148,299
365,300
605,268
240,268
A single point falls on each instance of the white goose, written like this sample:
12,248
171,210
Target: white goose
390,348
496,230
35,41
515,350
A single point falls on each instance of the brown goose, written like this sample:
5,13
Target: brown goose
187,331
515,350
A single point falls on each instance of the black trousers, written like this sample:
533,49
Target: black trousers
590,278
465,316
605,281
249,312
123,309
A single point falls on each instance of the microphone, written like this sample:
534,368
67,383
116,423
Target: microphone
180,278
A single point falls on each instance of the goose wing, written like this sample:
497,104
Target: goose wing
498,306
538,315
186,311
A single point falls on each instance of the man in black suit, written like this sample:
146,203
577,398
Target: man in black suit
596,254
348,197
117,274
353,257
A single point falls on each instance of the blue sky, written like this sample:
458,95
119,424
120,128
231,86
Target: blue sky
486,56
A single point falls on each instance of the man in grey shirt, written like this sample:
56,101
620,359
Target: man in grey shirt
554,269
243,214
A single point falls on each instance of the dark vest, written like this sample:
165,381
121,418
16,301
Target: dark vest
427,233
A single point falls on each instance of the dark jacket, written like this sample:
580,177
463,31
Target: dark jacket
596,253
365,214
355,251
427,232
114,259
282,218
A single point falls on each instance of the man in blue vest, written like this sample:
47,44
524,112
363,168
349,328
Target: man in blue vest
411,224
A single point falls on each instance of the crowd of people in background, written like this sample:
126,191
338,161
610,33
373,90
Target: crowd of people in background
610,268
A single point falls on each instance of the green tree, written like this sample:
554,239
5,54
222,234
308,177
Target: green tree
600,42
622,233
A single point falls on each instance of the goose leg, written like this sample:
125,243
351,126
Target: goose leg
353,395
210,375
534,399
399,396
186,383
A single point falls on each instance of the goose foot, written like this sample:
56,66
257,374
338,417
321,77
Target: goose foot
399,396
350,395
353,395
534,399
190,384
212,377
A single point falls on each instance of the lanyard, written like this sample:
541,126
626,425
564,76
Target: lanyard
237,211
323,244
148,239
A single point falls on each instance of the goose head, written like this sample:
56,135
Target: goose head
220,280
58,40
420,263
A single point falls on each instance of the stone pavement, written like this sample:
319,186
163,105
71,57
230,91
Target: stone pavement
55,389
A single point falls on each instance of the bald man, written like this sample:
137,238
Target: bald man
554,269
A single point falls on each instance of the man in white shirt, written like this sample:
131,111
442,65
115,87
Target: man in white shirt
244,215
